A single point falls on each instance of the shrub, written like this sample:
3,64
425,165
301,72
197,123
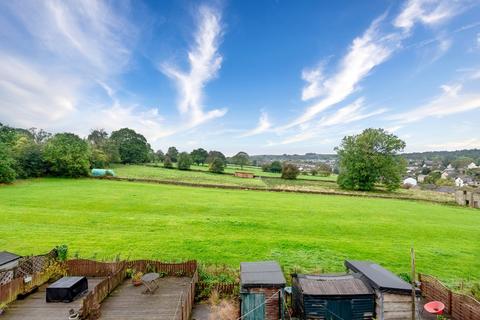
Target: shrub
184,161
266,167
217,165
289,171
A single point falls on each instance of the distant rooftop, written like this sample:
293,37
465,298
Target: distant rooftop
263,273
379,277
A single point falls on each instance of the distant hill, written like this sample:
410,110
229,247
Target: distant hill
316,157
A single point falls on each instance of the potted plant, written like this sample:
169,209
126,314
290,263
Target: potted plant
137,278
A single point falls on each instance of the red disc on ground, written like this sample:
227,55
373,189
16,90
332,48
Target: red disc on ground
434,307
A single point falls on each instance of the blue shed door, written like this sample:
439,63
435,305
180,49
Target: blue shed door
253,306
339,310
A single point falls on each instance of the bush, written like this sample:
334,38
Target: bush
217,165
29,158
266,167
290,171
7,164
184,161
167,162
67,155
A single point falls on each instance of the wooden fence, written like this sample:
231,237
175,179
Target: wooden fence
21,286
458,306
184,308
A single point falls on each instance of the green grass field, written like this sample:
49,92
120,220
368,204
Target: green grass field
101,219
315,185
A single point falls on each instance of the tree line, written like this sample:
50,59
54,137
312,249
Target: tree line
365,160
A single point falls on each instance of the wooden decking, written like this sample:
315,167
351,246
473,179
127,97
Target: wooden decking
128,302
35,307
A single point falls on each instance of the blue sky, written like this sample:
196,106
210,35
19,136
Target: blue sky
259,76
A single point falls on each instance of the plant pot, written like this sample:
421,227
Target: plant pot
137,283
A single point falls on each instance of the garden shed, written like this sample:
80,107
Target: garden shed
262,287
337,296
392,294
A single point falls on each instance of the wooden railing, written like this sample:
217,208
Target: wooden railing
458,306
186,300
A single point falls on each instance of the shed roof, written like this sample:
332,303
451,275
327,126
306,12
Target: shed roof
6,257
379,277
263,273
333,285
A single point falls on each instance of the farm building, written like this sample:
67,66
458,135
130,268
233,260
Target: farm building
344,296
248,175
468,197
8,260
392,294
261,290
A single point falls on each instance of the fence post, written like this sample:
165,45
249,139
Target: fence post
450,301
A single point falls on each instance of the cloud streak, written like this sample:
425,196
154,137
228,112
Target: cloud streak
263,126
204,61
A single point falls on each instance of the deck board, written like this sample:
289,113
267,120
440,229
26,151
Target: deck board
35,307
128,301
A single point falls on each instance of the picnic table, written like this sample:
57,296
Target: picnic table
150,281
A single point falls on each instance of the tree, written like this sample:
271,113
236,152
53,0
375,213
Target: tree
40,136
212,155
266,167
167,162
98,138
7,164
132,146
184,161
323,169
29,158
276,167
462,162
199,156
217,165
290,171
159,155
172,153
67,155
241,159
368,158
98,158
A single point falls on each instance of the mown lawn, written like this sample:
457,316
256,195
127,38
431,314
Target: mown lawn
101,219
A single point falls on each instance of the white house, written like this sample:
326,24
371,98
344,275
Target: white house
472,166
459,182
421,178
410,181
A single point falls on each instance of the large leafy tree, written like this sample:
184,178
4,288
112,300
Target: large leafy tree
29,157
290,171
172,153
276,167
212,155
369,158
132,146
67,155
241,159
217,165
199,156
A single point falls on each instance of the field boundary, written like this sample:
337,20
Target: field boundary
266,189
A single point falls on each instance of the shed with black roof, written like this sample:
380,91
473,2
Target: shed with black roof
332,296
392,294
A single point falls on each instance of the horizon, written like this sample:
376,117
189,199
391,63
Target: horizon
267,77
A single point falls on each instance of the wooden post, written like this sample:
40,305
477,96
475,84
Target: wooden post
412,254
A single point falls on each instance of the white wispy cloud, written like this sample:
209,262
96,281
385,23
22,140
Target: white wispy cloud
453,100
353,112
204,61
263,126
365,53
427,12
471,143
